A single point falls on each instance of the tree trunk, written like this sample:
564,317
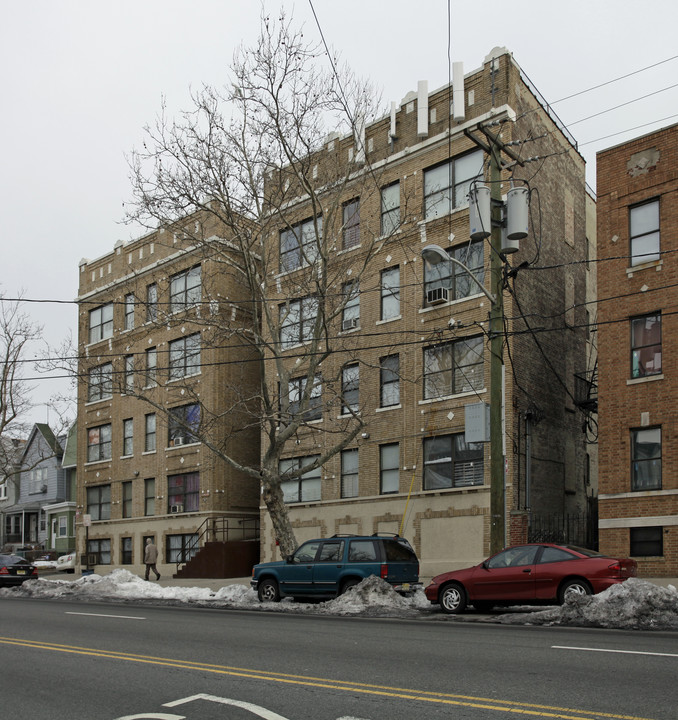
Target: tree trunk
277,510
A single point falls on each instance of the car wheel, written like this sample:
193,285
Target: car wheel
268,591
348,584
574,588
452,599
483,605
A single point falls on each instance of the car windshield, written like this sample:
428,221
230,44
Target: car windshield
6,560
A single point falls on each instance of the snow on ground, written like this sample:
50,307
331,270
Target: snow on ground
633,605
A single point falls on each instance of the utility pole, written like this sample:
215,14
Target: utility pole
497,476
493,146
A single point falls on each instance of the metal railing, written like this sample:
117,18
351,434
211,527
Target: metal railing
219,529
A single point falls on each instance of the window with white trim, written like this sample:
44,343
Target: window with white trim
644,232
101,323
646,459
446,186
349,473
100,382
305,487
299,244
453,367
390,293
646,345
449,461
99,443
184,356
390,208
185,289
297,321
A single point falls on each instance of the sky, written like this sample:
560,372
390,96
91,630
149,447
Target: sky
79,80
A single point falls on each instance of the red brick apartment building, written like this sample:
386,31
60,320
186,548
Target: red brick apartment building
637,189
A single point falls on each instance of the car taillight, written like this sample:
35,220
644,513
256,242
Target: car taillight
615,568
384,572
4,571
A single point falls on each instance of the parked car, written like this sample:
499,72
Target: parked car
66,563
15,570
532,574
328,567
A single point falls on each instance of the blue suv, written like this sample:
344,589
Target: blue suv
327,567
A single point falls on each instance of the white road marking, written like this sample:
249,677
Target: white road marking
623,652
254,709
122,617
154,716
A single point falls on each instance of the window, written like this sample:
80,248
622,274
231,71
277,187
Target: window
350,388
100,383
362,551
185,290
351,233
389,468
184,356
390,293
183,492
184,423
99,443
151,367
449,461
453,367
296,389
304,487
129,374
644,232
149,438
349,473
128,437
451,281
151,303
37,480
99,502
101,549
520,556
129,312
181,548
447,185
297,320
390,208
63,526
101,323
351,313
3,490
299,244
646,345
646,542
646,459
149,497
389,381
126,550
127,499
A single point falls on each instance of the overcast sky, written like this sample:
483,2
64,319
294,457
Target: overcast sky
79,79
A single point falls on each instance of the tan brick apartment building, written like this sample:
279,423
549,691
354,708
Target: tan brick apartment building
152,362
637,190
411,345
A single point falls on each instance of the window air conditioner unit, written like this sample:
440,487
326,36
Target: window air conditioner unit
437,296
179,441
349,324
176,508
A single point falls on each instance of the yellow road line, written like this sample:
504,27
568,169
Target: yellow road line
520,708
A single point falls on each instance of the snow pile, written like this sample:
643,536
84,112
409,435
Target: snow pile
632,605
375,597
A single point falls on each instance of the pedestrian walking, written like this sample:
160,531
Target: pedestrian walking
151,558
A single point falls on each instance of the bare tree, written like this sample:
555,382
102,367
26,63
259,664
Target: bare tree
17,332
255,160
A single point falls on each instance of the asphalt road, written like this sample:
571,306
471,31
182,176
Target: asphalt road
100,661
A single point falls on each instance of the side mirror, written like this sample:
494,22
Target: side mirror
485,566
289,559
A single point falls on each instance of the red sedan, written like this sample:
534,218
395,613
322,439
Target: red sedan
538,573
